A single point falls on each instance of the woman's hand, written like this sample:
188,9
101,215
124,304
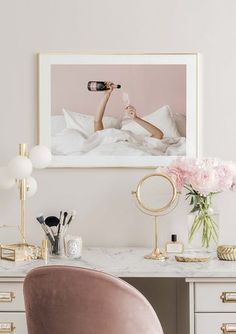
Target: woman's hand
131,111
110,87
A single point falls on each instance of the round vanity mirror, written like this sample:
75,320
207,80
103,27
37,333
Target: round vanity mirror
156,195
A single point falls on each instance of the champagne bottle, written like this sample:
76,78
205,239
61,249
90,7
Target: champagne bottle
96,86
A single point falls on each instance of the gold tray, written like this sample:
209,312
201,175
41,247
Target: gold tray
187,258
16,252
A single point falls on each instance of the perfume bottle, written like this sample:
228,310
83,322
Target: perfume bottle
174,246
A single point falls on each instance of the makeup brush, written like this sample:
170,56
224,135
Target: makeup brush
60,226
46,229
64,220
52,222
72,216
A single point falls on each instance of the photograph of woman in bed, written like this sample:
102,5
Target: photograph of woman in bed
145,117
131,112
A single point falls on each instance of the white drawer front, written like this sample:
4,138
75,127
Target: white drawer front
210,323
11,297
208,297
11,322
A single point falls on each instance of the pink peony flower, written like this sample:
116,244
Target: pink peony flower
205,181
225,176
232,168
187,166
208,175
177,176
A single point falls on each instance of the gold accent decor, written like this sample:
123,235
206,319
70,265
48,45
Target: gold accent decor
22,191
7,327
226,252
7,297
191,259
44,249
19,252
168,204
228,328
156,254
228,297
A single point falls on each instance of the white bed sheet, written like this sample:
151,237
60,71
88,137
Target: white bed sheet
115,142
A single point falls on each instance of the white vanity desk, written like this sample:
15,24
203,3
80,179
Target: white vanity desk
198,287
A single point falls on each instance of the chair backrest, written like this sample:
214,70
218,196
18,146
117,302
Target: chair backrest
74,300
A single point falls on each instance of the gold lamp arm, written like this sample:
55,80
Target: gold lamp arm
22,192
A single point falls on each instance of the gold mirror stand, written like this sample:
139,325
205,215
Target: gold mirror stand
156,254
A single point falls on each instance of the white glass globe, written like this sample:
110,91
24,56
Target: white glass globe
32,186
40,156
6,181
20,167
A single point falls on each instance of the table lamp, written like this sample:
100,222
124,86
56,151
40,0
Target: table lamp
18,173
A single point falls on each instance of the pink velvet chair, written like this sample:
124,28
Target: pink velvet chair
73,300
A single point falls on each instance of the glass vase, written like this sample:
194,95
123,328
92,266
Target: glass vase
57,248
203,227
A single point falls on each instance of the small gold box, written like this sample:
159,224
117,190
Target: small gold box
16,252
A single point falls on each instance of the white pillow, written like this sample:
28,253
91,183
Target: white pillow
57,124
161,118
180,121
67,142
85,123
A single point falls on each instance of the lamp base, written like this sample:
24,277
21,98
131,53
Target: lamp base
156,254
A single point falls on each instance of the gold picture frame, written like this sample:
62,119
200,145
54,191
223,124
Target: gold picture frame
46,61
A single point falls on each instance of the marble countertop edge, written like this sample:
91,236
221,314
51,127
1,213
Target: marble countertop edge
127,263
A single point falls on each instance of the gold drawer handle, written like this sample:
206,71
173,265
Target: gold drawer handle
228,297
7,327
228,328
7,297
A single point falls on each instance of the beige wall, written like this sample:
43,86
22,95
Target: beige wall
107,214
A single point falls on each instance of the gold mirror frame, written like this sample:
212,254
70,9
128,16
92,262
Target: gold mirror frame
155,210
156,254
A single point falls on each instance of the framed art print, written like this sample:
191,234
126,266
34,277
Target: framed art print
118,110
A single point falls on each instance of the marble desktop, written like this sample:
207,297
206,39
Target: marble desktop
126,262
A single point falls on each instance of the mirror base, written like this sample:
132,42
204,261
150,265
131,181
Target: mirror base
156,255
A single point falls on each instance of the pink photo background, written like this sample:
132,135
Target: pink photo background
149,87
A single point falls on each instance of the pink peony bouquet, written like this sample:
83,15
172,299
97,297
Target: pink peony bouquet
206,176
202,178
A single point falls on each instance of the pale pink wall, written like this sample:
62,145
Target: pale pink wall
107,215
149,87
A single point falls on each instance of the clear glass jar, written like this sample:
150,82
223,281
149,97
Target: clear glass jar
203,229
57,248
